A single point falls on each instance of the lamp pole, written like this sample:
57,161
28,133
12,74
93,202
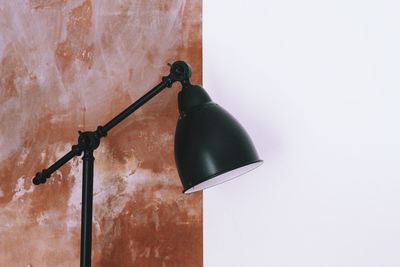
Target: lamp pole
90,141
222,149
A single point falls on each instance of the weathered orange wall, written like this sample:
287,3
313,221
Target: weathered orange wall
69,65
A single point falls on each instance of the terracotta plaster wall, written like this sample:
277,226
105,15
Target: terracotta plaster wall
69,65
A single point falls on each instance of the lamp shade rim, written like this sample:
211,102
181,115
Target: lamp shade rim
193,189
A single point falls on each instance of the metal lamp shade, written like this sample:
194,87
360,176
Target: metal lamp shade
211,147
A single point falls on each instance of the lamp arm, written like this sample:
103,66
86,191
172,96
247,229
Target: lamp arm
137,104
89,141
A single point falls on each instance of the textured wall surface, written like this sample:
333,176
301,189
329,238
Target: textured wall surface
69,65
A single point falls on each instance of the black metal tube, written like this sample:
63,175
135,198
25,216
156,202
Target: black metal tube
137,104
76,150
56,165
41,177
87,203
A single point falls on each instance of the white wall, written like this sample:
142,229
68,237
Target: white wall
317,85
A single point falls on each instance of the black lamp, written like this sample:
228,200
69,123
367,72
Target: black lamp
211,147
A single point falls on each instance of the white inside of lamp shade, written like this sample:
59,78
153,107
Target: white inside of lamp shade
226,176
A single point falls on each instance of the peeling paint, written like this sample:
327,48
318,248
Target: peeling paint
69,65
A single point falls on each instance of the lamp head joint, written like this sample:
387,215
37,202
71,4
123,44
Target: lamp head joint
180,71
